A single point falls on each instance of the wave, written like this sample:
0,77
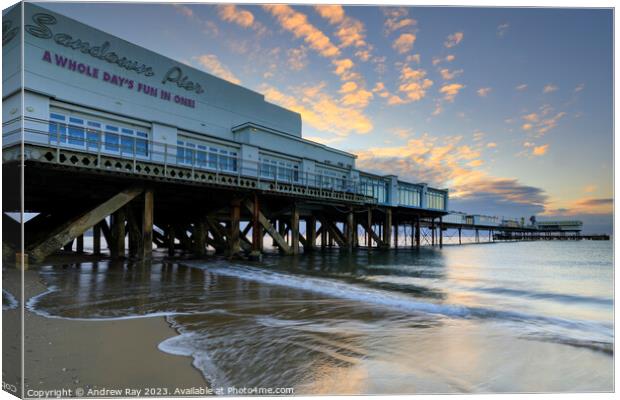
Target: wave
338,289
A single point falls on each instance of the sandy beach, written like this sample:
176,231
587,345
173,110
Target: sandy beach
112,355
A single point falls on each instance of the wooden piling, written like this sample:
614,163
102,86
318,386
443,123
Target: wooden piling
295,229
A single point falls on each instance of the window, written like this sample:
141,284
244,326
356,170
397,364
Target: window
57,128
282,169
203,156
409,195
111,138
332,179
374,187
94,135
76,131
435,200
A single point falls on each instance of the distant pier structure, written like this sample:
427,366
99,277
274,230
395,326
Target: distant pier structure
113,141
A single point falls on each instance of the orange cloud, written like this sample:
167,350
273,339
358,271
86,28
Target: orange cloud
320,110
443,162
540,150
213,65
298,24
581,206
451,90
453,39
230,13
413,84
447,75
333,13
343,69
404,43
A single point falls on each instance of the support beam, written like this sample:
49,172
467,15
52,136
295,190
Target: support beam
387,229
368,228
200,237
310,234
79,245
395,233
323,236
440,232
373,235
459,235
334,232
417,232
295,229
234,240
349,231
117,233
133,232
97,239
257,229
77,226
269,228
147,224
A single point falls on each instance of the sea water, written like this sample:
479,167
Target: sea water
503,317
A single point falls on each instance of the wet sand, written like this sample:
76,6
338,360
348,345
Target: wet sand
121,354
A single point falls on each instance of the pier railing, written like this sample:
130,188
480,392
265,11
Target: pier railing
78,146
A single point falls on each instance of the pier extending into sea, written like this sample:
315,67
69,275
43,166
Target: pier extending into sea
191,208
147,152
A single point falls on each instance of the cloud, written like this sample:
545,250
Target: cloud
397,18
213,65
484,91
333,13
448,58
413,85
380,90
445,162
348,87
413,58
502,29
297,23
521,87
404,43
527,126
453,39
491,145
533,117
297,58
350,31
451,90
358,98
320,110
343,68
540,150
550,88
230,13
582,206
447,75
580,87
363,55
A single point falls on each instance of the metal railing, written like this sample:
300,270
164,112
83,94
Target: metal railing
106,143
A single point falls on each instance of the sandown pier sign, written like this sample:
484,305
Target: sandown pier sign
42,28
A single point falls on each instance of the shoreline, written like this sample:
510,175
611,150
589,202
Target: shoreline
64,354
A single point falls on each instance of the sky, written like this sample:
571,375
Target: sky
509,108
